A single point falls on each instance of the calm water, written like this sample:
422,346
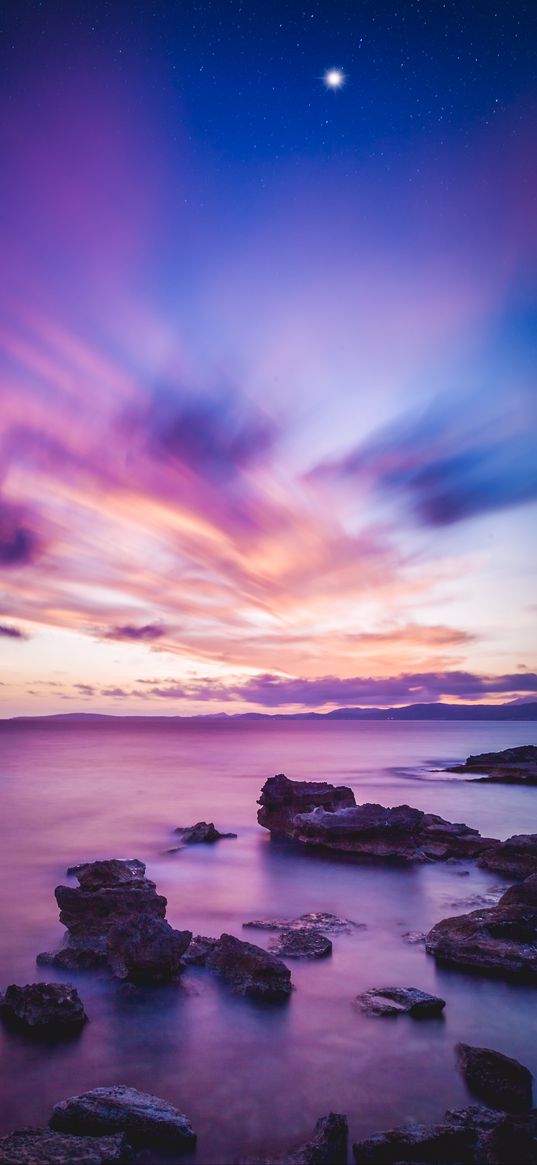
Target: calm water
253,1078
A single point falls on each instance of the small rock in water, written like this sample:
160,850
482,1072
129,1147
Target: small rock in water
200,833
136,867
199,949
328,1146
301,943
400,1000
315,920
413,936
46,1147
144,1119
498,1079
249,969
43,1008
500,940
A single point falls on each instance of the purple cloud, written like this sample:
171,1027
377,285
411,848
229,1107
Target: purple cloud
18,542
85,689
12,632
113,692
129,633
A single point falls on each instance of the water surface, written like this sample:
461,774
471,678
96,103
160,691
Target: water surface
253,1078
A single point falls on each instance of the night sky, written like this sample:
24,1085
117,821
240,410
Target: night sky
268,385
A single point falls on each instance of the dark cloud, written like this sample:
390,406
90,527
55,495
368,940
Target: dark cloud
447,463
131,633
113,692
273,691
19,544
12,632
215,436
85,689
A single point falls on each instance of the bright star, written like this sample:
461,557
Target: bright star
334,78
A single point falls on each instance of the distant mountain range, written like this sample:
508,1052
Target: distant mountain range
517,710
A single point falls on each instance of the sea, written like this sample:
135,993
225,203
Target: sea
253,1078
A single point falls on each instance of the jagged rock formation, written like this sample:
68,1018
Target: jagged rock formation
248,969
44,1008
501,940
512,766
515,858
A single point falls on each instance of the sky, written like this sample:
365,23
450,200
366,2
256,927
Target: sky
269,348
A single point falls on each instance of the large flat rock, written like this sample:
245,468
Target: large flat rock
144,1119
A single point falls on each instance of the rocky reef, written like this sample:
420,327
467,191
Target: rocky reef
400,1001
115,918
498,1079
249,970
47,1147
323,816
143,1118
43,1008
501,940
512,766
514,858
474,1135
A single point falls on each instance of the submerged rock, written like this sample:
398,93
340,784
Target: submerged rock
457,1138
498,1079
325,816
512,766
202,832
328,1146
515,858
315,920
249,969
112,919
400,1000
501,940
54,1008
144,1119
146,950
47,1147
301,943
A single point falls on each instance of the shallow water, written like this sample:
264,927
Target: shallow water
253,1078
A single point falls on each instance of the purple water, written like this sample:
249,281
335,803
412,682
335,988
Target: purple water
253,1079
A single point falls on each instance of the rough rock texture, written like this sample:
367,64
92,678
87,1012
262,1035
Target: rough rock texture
327,817
146,950
46,1147
501,1081
501,940
199,950
115,903
305,943
456,1140
513,766
512,1141
516,857
54,1008
315,920
249,969
144,1119
203,831
398,1000
328,1146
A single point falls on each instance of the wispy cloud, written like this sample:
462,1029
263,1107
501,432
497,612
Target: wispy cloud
12,632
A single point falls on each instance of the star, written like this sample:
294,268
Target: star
334,78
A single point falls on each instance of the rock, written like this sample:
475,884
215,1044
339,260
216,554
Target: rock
54,1008
203,831
305,943
328,1146
326,817
144,1119
501,940
146,950
513,1141
249,970
501,1081
512,766
316,920
110,892
46,1147
455,1139
398,1000
516,857
413,937
200,948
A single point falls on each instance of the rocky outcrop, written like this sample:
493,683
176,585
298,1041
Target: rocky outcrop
513,766
498,1079
315,920
115,918
512,1141
515,858
326,817
44,1008
144,1119
298,943
199,950
248,969
501,940
201,832
146,950
46,1147
462,1136
328,1146
400,1000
